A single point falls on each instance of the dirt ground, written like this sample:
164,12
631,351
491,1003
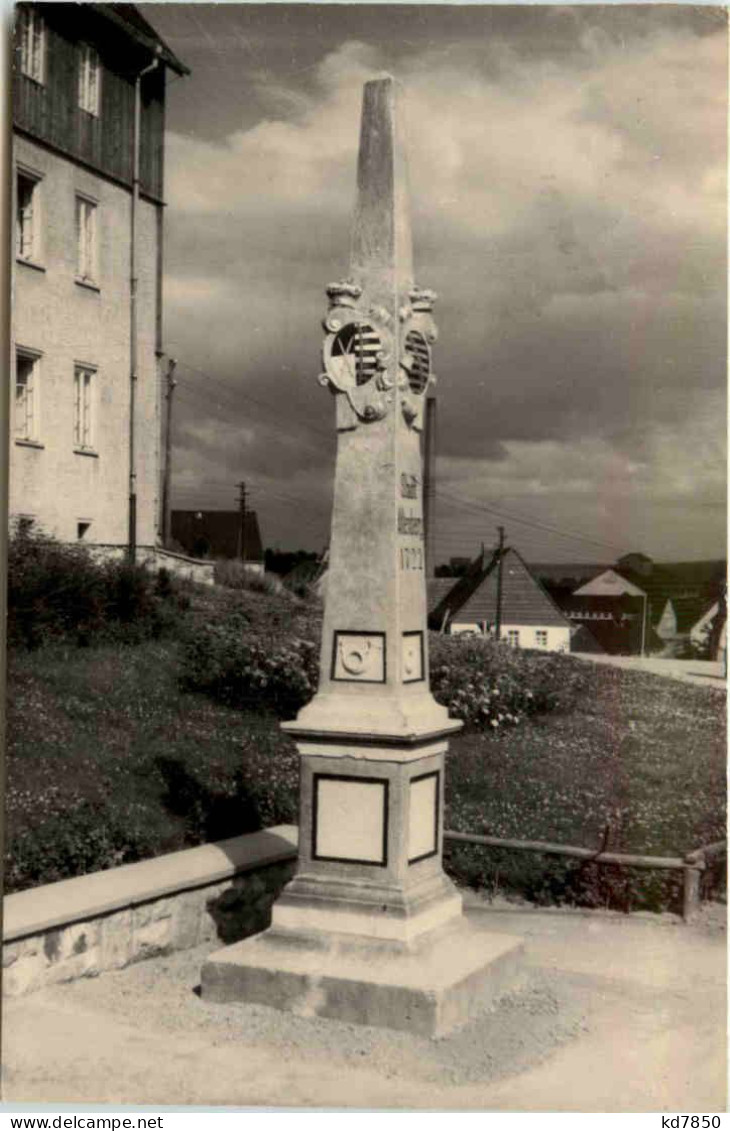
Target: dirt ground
614,1013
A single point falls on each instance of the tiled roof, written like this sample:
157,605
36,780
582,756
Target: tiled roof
473,598
219,530
437,588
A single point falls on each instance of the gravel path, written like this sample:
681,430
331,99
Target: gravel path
614,1014
704,673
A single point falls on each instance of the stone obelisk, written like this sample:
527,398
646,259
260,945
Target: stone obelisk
370,929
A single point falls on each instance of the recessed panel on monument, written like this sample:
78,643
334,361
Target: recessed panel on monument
412,655
350,819
359,657
423,825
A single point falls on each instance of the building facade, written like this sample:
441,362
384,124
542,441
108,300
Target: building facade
86,315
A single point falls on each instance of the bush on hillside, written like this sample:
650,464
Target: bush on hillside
86,837
491,685
488,685
243,665
59,592
234,574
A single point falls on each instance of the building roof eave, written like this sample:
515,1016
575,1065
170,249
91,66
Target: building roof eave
130,20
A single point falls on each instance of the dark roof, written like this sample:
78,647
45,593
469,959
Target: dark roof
437,588
688,610
215,534
130,19
583,640
473,598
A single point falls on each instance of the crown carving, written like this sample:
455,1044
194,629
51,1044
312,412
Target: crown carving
422,301
344,293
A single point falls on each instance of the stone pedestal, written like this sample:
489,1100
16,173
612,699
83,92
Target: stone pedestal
430,988
370,929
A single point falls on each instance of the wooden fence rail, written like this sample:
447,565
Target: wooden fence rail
693,864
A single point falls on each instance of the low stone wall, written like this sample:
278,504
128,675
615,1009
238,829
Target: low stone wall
107,920
181,566
154,557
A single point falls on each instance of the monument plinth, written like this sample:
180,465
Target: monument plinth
370,929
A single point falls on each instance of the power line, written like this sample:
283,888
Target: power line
501,512
464,504
238,393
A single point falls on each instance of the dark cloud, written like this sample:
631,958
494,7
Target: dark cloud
568,171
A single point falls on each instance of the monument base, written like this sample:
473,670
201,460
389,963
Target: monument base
428,988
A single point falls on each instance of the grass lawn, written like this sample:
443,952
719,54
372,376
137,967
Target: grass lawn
109,760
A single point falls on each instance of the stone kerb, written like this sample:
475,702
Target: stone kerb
107,920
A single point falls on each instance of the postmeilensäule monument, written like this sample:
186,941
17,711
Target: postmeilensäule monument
370,929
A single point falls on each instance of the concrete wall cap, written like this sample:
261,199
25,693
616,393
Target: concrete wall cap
85,897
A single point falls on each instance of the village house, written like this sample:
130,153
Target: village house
529,617
86,330
674,595
224,535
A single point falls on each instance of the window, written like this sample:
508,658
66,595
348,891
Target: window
82,527
27,217
31,35
89,79
27,372
85,239
513,637
541,638
84,407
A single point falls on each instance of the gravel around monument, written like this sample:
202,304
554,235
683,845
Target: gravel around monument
615,1013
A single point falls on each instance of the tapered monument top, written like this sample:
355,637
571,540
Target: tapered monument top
382,254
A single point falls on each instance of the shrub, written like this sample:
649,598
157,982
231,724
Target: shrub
85,837
244,663
234,574
243,666
59,592
491,685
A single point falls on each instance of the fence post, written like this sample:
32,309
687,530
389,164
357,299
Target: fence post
691,903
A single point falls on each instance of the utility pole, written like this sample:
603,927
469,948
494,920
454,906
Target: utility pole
643,625
498,624
166,516
429,483
242,526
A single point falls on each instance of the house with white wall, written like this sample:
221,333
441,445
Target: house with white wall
86,284
529,618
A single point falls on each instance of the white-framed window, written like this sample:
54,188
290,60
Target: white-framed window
84,389
89,79
513,637
86,242
27,216
27,390
541,638
32,41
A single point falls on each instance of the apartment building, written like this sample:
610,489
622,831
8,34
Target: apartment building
86,318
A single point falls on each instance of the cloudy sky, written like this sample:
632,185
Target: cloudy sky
568,184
